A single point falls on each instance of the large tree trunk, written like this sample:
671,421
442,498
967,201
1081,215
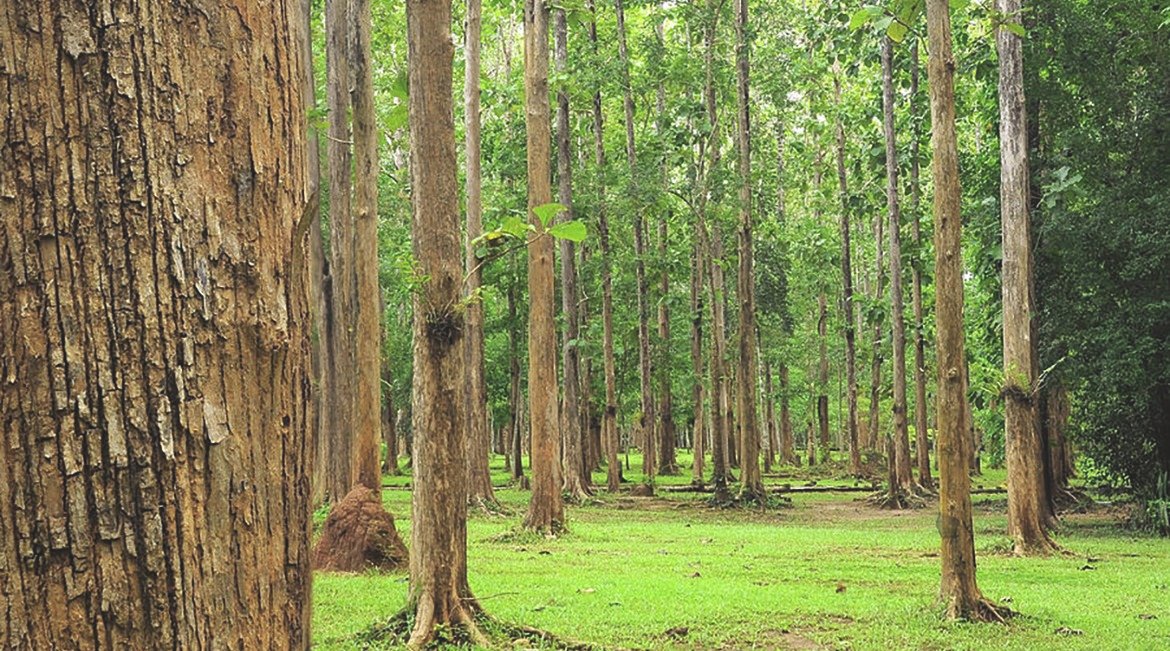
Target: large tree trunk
439,595
342,285
154,476
960,593
847,292
479,477
645,371
903,479
922,441
368,317
575,484
1029,509
546,511
609,431
747,372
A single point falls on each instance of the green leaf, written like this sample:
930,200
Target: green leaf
400,89
546,212
397,118
514,226
897,32
1015,28
574,231
864,15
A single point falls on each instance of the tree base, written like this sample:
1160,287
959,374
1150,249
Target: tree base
981,610
901,499
642,490
477,631
359,534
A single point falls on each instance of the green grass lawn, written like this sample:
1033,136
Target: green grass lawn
829,572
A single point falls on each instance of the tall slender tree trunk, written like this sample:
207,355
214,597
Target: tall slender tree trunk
367,464
1029,509
389,431
847,292
787,451
316,280
645,371
873,429
439,595
698,428
546,511
770,417
609,430
901,459
960,592
667,430
573,466
479,477
823,379
154,328
787,444
747,372
515,395
921,434
343,287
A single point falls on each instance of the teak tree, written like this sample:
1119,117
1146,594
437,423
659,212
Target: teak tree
847,291
960,592
546,511
154,476
1029,509
439,594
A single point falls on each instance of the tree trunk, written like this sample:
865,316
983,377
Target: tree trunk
901,459
645,372
922,440
479,476
573,465
515,397
389,432
439,594
959,590
154,475
1055,420
609,430
697,393
339,332
546,511
770,417
822,380
316,280
667,431
1029,508
787,445
847,292
747,372
368,316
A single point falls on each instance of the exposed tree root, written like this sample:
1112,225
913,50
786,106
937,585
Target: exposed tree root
896,500
487,506
642,490
981,610
475,629
1044,547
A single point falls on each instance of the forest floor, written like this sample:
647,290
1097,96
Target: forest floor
827,572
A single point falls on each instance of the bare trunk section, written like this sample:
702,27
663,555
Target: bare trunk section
573,466
342,285
922,440
609,431
645,371
368,328
389,424
847,291
787,444
154,475
479,477
698,427
747,372
667,431
822,381
959,590
770,418
316,279
1029,509
515,396
903,479
546,511
439,594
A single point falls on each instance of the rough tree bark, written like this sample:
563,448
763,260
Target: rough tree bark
922,440
959,590
342,287
154,476
645,370
903,479
573,466
479,478
546,510
367,413
439,594
609,431
747,372
847,291
1029,510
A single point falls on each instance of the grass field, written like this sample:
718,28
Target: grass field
828,572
